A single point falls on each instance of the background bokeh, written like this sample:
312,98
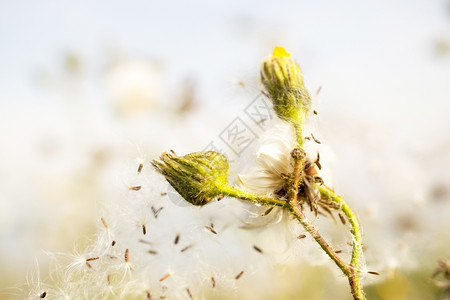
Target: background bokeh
89,87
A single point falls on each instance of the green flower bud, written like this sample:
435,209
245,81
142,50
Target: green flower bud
283,81
198,177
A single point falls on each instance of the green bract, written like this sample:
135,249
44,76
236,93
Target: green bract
283,81
197,177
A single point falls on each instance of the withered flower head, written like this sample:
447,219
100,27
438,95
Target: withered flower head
283,81
198,177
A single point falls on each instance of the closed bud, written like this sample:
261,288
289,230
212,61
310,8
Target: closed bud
283,81
198,177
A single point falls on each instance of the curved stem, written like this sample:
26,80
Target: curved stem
320,240
354,279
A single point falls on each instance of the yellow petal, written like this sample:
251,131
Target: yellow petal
280,52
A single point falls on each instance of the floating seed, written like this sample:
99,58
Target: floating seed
164,277
213,281
315,112
220,197
156,211
140,168
163,194
177,239
301,236
144,242
318,91
92,258
135,188
307,138
43,295
113,243
108,278
189,293
261,121
89,265
127,255
149,296
239,275
257,249
185,248
314,138
338,251
144,230
373,273
210,229
152,252
104,223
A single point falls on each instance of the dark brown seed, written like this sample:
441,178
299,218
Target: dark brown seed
307,138
185,248
315,112
113,243
92,258
43,295
127,255
89,265
301,236
189,293
257,249
104,223
152,252
140,168
267,211
317,162
239,275
338,251
220,197
135,188
164,277
213,281
173,152
314,138
210,229
144,230
177,239
163,194
341,217
373,273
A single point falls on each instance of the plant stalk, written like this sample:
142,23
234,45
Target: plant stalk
354,279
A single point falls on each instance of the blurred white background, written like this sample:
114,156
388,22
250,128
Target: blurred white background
88,87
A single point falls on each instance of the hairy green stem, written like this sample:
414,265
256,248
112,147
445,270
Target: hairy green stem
354,279
298,127
350,270
320,240
260,199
